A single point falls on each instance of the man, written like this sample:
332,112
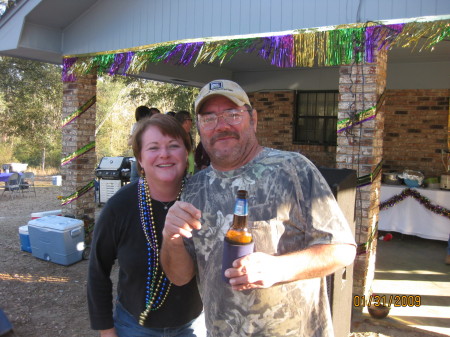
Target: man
300,234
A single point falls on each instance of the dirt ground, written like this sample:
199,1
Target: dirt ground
43,299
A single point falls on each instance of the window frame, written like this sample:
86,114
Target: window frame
315,118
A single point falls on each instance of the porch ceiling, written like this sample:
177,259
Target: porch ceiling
53,17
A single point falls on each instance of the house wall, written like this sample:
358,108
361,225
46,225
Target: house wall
275,126
112,25
416,128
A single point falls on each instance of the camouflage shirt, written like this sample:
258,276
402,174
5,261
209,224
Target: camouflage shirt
290,208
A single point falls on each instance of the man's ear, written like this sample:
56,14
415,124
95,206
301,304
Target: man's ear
255,119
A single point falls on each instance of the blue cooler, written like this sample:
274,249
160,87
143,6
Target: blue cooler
57,239
24,239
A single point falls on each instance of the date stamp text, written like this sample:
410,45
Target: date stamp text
387,300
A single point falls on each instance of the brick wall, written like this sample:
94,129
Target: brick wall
80,132
410,130
416,129
275,126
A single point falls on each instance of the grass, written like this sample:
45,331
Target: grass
51,171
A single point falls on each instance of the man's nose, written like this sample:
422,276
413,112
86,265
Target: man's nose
221,122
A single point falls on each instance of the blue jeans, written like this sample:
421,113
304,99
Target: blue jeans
127,326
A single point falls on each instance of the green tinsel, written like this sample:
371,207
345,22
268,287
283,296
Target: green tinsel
103,62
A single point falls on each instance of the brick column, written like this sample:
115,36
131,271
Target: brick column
361,148
79,172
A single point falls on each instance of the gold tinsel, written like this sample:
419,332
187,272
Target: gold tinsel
430,32
305,51
321,47
328,46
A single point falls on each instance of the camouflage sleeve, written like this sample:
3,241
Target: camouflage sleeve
325,222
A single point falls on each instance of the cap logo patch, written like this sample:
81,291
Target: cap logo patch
215,86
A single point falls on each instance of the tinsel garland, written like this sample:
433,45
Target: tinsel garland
360,117
364,247
77,113
223,50
369,178
66,160
424,201
74,196
380,37
340,45
67,71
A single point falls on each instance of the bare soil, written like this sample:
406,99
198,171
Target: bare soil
44,299
40,298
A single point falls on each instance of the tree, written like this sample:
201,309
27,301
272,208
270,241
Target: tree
31,105
164,96
31,113
117,99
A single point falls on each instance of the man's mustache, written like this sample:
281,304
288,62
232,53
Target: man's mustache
223,135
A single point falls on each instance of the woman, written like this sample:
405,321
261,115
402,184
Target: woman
129,229
141,112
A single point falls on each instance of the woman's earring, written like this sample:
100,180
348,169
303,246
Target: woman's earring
142,173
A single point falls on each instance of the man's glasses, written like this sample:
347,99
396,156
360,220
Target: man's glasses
208,121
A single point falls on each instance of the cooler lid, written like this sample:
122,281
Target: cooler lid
55,222
23,229
44,213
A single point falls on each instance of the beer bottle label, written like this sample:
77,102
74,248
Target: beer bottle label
241,207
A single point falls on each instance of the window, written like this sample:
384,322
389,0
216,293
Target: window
315,118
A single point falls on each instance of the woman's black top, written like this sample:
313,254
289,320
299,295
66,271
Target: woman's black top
118,235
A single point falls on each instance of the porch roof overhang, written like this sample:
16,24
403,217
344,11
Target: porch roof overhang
38,29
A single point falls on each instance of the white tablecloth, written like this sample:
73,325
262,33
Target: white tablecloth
410,217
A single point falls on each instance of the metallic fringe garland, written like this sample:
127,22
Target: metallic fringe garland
424,201
304,48
369,178
81,110
66,160
74,196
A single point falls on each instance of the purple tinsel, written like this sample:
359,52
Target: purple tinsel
424,201
187,51
67,64
128,59
282,48
378,37
118,60
121,60
355,123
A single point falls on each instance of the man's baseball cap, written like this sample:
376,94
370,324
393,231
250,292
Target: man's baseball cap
229,89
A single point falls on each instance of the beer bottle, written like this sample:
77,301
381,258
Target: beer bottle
238,232
238,241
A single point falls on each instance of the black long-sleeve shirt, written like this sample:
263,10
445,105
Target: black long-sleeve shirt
118,235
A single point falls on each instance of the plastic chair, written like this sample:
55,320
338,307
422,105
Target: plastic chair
12,185
27,183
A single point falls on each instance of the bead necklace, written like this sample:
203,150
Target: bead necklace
157,284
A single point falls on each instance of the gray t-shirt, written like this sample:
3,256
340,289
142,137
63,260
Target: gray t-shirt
290,208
